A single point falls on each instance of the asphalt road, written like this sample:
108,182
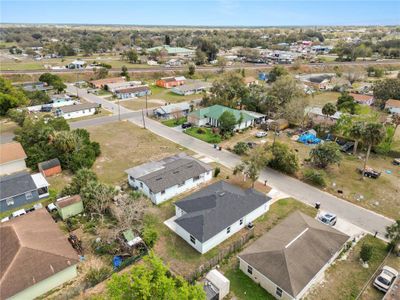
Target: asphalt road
200,68
363,218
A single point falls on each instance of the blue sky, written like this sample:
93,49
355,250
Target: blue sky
201,13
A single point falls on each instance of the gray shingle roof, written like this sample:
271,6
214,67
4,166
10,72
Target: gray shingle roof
168,172
48,164
214,208
294,251
16,184
78,107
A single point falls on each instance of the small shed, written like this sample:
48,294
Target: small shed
69,206
216,285
50,167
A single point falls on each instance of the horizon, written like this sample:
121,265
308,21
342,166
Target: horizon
210,13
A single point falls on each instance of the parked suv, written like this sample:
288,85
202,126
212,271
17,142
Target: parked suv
186,125
328,219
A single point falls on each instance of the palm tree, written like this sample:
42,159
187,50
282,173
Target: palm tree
356,132
372,135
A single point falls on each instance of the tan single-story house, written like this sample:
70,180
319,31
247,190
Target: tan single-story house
287,260
12,158
101,83
363,99
35,256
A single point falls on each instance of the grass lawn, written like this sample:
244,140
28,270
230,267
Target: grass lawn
7,126
59,181
321,98
124,145
138,104
244,288
166,94
174,122
345,278
204,134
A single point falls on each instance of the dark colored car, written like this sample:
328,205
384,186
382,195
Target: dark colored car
186,125
347,147
369,172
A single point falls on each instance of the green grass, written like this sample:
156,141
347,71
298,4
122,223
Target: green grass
167,95
245,288
204,134
174,122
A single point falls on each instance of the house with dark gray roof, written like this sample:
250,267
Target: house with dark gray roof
291,257
21,188
77,110
161,180
208,217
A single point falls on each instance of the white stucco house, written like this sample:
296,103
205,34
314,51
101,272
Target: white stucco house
161,180
12,158
393,106
208,217
291,257
77,110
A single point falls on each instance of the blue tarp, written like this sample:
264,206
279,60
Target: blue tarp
117,261
308,138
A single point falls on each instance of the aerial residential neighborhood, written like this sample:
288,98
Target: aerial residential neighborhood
193,150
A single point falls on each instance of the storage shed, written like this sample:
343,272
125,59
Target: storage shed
216,285
69,206
50,167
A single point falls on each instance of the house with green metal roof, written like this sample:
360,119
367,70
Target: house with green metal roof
178,51
210,116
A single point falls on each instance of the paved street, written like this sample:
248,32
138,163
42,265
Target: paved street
351,213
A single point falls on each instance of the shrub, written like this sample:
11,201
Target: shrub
201,130
217,171
366,252
150,236
283,158
240,148
97,275
314,177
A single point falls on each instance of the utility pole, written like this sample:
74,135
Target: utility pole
119,111
144,122
76,84
147,112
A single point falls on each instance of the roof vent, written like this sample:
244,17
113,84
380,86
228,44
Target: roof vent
159,178
175,172
189,166
221,194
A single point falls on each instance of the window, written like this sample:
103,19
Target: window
249,270
196,178
28,196
228,230
163,192
10,201
132,179
192,239
181,184
278,292
241,222
141,184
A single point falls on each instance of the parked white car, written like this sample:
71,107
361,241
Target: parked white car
261,134
18,213
327,218
385,279
51,207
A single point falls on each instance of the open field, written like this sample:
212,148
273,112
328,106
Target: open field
138,104
345,278
320,99
168,96
124,145
380,195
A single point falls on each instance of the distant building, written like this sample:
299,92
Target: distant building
36,257
12,158
77,64
50,167
101,83
112,87
161,180
132,92
211,215
35,86
77,111
176,51
170,82
191,88
61,100
22,188
363,99
210,115
287,260
316,115
172,111
393,106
